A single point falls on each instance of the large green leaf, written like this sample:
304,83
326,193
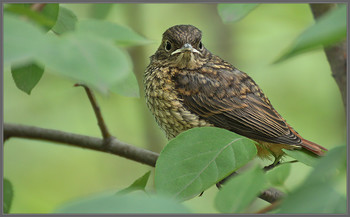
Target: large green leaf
240,191
328,30
303,156
46,17
20,49
329,167
121,35
137,202
87,59
66,21
138,184
316,198
27,76
198,158
234,12
317,193
8,195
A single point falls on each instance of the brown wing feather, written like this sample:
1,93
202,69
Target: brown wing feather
230,99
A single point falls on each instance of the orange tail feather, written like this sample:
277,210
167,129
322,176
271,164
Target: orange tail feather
313,147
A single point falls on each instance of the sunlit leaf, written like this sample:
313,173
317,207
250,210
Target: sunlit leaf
7,195
240,191
198,158
138,184
121,35
27,76
279,174
328,30
303,156
19,49
87,59
66,21
234,12
137,202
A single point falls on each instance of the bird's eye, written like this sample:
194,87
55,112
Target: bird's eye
200,45
167,46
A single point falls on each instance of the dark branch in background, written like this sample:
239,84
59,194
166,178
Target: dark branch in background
336,54
115,147
101,123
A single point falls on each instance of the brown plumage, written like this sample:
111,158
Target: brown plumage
186,86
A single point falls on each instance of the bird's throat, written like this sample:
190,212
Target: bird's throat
186,60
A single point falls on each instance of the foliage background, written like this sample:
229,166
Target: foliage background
45,175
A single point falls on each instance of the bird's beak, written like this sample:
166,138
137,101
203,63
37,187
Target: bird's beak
186,47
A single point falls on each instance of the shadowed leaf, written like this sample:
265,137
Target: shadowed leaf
27,76
8,195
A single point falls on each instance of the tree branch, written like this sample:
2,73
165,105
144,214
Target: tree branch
115,147
336,54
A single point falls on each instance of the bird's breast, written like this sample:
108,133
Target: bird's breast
166,106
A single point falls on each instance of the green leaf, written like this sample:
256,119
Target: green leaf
279,174
123,36
19,49
100,11
328,167
7,195
328,30
303,156
127,86
27,76
240,191
138,184
198,158
317,194
66,21
137,202
86,59
233,12
46,17
316,198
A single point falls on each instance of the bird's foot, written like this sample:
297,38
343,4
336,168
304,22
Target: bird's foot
270,167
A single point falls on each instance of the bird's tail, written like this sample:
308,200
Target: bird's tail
313,147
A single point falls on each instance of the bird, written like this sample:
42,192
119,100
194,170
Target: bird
186,86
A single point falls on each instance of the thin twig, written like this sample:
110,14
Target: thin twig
116,147
101,123
336,54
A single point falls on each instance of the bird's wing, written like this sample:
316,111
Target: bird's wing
230,99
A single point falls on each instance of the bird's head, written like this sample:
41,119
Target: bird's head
182,47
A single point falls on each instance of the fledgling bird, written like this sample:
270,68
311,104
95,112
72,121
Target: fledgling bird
186,86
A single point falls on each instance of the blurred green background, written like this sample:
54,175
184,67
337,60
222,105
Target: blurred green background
46,175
